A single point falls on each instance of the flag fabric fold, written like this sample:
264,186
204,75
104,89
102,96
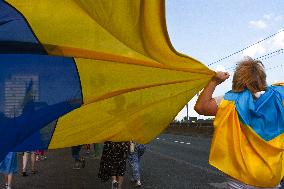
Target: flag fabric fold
248,142
101,70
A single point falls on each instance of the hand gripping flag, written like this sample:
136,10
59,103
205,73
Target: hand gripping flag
248,142
85,71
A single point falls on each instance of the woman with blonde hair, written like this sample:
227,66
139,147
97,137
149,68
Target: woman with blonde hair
248,141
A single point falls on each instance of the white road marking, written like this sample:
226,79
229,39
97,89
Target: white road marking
176,141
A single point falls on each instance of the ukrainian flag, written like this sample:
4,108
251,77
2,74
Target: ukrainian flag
84,71
248,142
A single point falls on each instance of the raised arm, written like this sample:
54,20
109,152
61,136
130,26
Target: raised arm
205,104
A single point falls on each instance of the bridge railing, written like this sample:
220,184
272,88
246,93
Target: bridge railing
203,129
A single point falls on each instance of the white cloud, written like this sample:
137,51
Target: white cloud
267,16
257,49
266,21
259,24
220,68
279,18
267,46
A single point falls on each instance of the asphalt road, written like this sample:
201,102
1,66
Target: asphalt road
183,161
171,162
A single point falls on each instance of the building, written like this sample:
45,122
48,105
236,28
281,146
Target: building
16,91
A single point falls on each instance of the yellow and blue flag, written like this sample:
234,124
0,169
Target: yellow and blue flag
84,71
248,141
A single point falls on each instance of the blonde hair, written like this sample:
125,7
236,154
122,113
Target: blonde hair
249,74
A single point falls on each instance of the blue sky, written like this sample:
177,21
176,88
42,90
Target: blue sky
210,30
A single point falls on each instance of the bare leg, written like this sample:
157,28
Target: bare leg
9,180
33,160
25,161
6,180
120,181
113,178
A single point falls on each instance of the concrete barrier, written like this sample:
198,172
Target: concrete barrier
191,129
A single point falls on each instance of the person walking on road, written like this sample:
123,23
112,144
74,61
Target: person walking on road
248,141
9,167
134,162
79,161
25,163
113,163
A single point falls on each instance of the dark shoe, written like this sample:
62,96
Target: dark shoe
34,171
24,174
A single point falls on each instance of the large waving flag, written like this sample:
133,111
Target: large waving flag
248,142
96,70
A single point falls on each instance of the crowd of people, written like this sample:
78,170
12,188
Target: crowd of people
250,94
114,158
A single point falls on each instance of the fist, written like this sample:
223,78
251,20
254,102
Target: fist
221,77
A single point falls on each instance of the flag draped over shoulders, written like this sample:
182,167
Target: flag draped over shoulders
248,141
86,71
